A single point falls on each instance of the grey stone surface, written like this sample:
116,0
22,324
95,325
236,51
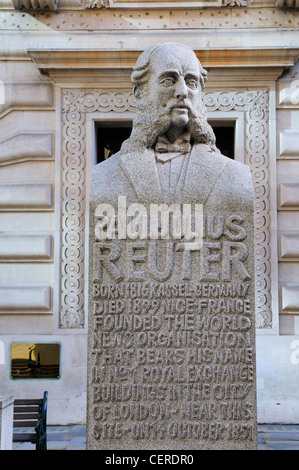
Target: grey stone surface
171,362
288,434
278,437
72,437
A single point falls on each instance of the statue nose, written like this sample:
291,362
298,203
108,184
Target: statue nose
181,89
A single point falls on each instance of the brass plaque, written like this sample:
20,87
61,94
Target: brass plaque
35,360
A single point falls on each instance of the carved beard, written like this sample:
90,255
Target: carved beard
152,121
200,130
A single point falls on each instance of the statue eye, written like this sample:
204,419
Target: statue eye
168,81
192,83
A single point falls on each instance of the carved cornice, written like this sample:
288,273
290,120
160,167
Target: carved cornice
207,3
287,3
234,3
141,4
137,4
115,4
49,60
35,4
95,4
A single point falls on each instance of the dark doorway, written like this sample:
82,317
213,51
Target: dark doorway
225,140
110,136
109,140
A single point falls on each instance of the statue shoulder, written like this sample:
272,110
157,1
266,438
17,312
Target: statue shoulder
104,179
108,181
239,171
105,168
234,187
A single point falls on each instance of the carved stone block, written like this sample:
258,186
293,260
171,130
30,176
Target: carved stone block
25,299
289,247
25,247
35,4
26,146
289,196
287,3
26,196
290,299
234,3
289,145
171,361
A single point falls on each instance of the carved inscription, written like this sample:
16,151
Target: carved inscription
172,338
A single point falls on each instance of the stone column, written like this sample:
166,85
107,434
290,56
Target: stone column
6,422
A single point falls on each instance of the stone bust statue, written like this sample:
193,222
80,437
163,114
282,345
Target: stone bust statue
165,291
171,155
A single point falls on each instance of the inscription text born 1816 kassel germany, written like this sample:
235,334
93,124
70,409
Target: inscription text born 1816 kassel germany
171,355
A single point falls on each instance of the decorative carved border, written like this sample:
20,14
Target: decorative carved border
75,105
35,4
53,4
234,3
113,4
287,4
255,105
146,4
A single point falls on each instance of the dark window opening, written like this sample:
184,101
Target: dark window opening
109,139
110,136
225,140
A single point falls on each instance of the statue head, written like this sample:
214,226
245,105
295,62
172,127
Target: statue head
168,80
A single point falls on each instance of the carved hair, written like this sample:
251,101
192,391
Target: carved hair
140,72
150,120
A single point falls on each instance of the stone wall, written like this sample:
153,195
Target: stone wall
288,199
64,66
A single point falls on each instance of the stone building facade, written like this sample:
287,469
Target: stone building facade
64,84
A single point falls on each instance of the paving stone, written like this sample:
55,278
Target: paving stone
278,445
260,439
281,436
262,447
75,448
25,446
60,436
77,441
79,430
56,445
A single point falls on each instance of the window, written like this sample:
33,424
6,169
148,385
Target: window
225,139
109,138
